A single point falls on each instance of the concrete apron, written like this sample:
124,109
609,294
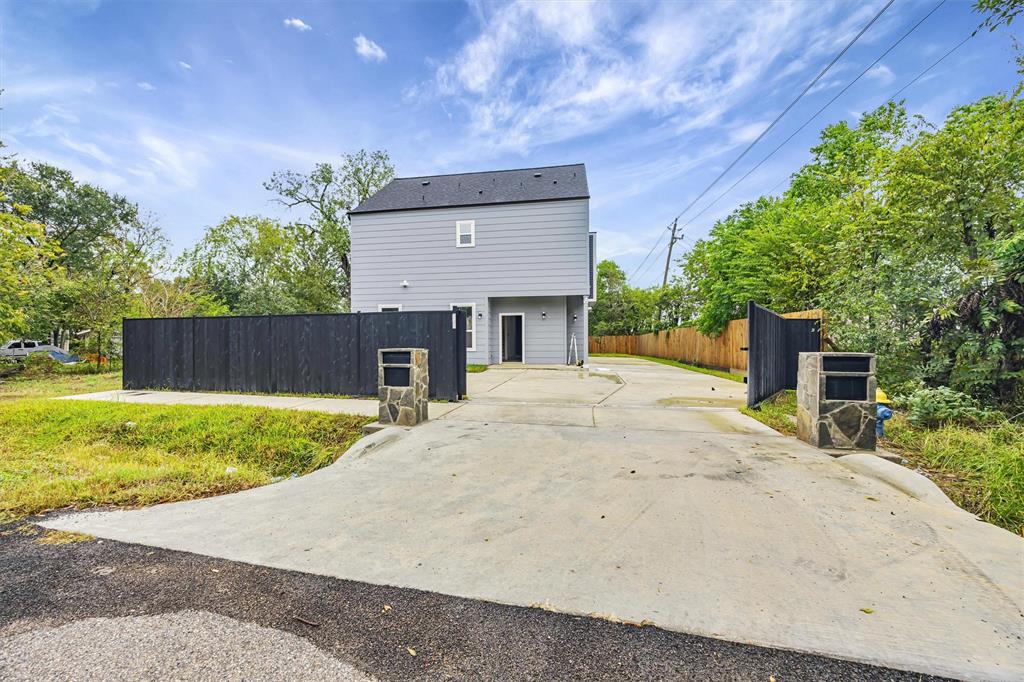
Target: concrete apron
743,536
606,493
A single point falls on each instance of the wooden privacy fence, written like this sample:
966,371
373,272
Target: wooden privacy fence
318,353
685,344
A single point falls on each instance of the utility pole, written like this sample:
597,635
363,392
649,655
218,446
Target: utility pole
668,258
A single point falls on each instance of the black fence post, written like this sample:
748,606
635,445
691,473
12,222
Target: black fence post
192,378
359,349
271,376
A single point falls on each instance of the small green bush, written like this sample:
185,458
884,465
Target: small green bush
933,407
40,364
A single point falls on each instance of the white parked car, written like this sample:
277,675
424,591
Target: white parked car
25,347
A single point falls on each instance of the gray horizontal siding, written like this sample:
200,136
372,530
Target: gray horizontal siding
522,250
480,354
533,249
545,337
575,305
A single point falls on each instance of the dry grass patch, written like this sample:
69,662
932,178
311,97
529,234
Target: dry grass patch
62,537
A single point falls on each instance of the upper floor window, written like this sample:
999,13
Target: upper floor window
465,233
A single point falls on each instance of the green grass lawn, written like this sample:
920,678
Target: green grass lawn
675,363
57,453
19,386
776,412
980,468
476,369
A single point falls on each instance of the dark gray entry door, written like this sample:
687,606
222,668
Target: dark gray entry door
512,338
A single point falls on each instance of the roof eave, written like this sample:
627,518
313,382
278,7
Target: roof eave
479,203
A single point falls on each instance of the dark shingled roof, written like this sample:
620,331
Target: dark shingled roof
550,183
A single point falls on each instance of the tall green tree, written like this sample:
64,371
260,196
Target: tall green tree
322,240
999,12
622,309
175,297
26,266
103,243
905,232
249,263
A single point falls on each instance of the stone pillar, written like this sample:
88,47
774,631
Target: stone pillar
402,385
835,395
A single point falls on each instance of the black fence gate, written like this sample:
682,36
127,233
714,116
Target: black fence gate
319,353
774,344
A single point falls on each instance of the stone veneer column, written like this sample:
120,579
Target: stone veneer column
404,405
828,422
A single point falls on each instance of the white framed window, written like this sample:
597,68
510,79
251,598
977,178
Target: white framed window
465,233
470,309
389,308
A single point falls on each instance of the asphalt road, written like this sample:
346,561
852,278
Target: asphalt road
258,617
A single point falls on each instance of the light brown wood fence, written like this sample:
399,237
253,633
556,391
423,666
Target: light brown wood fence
688,345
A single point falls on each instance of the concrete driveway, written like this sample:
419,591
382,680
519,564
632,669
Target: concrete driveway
637,493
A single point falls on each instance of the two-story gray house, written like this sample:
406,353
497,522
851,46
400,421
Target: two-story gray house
513,248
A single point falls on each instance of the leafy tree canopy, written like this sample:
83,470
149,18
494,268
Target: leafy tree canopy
905,232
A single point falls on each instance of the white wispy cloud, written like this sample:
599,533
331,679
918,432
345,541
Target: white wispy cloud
144,85
297,24
881,73
172,162
747,132
369,50
89,149
185,65
26,87
60,112
540,73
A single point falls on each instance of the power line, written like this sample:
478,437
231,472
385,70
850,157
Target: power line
823,108
651,264
916,78
934,64
893,97
786,110
680,239
769,128
660,237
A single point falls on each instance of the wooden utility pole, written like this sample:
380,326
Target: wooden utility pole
668,258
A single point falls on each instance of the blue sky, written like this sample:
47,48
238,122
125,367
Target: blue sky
187,107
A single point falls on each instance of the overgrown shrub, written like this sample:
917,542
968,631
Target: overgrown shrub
932,407
39,365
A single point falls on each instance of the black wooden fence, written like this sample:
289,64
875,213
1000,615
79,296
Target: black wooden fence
774,344
322,353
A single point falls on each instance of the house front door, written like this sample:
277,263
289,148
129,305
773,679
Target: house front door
513,341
